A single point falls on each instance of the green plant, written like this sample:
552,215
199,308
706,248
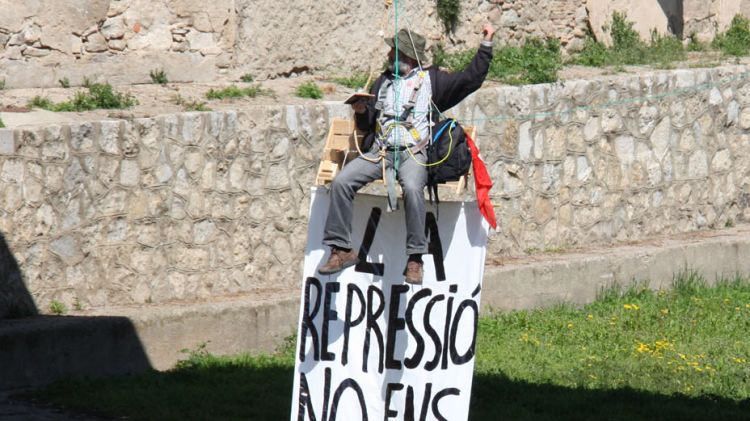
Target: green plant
2,125
355,81
159,77
58,308
309,90
98,96
665,49
190,105
694,44
77,306
2,84
237,92
624,37
736,40
64,82
40,102
627,48
196,357
448,11
536,61
247,78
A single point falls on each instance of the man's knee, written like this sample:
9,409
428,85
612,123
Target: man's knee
413,189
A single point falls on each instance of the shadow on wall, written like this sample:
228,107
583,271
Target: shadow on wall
36,350
15,299
673,10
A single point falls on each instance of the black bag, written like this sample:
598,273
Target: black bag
448,154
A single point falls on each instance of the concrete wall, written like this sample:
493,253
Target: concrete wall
199,206
43,41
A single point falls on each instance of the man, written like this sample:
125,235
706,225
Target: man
398,120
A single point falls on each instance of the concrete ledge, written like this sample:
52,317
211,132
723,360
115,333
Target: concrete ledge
577,278
39,350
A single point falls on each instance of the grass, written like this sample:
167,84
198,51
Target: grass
247,78
2,125
2,84
97,96
236,92
309,90
633,354
64,82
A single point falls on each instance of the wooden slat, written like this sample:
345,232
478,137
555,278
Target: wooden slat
340,147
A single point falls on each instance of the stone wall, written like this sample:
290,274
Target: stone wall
122,41
183,208
602,161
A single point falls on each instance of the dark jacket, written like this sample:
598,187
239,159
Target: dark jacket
448,89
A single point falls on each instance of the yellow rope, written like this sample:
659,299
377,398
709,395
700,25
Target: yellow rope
443,159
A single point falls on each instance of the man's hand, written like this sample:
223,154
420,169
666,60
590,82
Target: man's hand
488,31
359,107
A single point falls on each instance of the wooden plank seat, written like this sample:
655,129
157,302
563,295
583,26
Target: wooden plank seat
340,149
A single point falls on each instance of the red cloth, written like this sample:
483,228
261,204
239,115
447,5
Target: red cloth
483,184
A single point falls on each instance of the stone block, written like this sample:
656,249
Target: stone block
130,173
67,249
12,171
7,142
109,140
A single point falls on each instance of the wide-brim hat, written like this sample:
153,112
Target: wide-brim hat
405,46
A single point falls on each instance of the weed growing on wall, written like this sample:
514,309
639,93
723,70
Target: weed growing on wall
2,84
736,40
448,12
2,125
694,44
247,78
237,92
536,61
58,308
158,77
355,81
628,48
64,82
309,90
190,105
98,96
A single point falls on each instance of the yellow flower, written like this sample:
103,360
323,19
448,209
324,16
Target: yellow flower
664,311
631,306
739,360
643,348
570,325
590,316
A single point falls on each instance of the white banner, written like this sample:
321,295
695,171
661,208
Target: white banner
371,347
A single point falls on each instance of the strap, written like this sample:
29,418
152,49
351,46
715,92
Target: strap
390,185
406,115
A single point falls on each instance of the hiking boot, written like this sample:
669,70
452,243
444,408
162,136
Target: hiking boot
338,261
413,273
